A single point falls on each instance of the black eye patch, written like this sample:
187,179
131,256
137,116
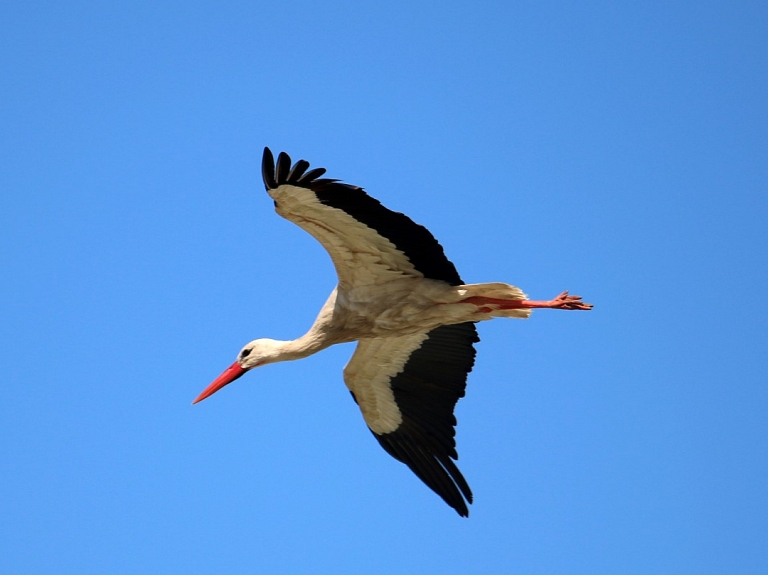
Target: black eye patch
245,353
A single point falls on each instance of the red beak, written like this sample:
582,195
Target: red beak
230,374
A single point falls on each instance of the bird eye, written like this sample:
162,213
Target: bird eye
245,353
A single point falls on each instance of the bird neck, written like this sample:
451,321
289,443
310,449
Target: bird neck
308,344
317,338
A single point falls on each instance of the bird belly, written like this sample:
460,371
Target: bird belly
403,307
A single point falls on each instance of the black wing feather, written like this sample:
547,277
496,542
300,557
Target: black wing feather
310,176
283,167
297,171
268,169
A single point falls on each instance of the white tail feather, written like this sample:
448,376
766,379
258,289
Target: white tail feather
498,290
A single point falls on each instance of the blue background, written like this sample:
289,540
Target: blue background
618,150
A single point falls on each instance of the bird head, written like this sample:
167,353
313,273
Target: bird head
256,353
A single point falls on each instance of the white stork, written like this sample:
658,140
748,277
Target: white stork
404,303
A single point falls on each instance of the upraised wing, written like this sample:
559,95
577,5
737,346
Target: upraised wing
368,243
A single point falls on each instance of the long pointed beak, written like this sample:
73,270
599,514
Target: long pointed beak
230,374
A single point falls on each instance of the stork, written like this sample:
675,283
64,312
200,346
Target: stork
403,301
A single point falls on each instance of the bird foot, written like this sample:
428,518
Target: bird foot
565,301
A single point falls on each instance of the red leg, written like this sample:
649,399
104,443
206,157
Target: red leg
563,301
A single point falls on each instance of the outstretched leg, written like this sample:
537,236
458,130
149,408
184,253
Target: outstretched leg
563,301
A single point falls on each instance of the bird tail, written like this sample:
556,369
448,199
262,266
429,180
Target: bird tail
498,292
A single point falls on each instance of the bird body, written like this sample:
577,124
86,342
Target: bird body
405,304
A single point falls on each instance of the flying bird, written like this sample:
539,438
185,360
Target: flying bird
405,304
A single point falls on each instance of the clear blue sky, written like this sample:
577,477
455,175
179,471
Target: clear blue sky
619,150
